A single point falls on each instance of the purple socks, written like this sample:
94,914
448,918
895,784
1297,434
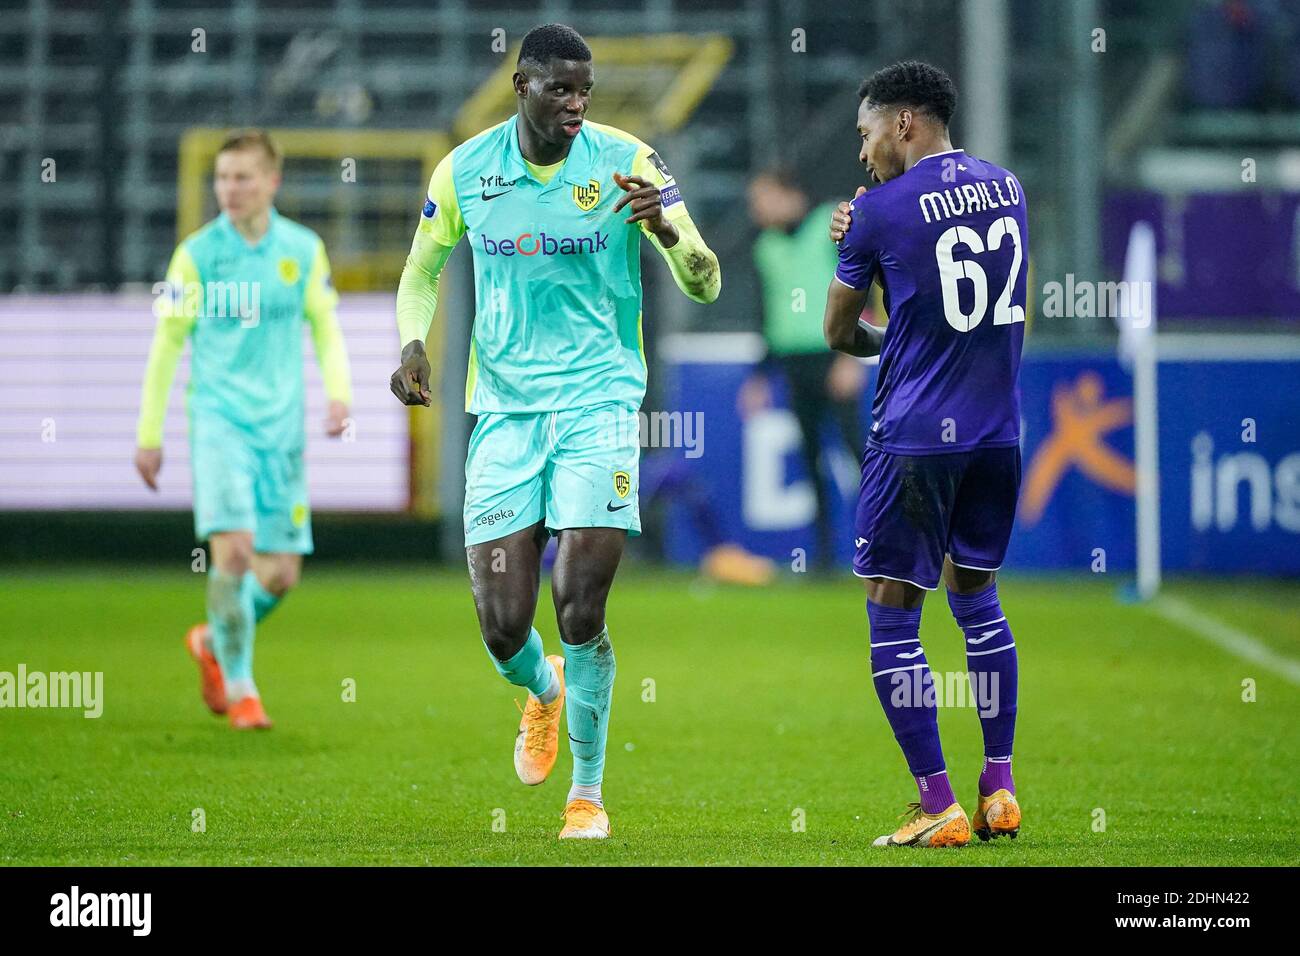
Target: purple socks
996,776
903,683
991,660
936,792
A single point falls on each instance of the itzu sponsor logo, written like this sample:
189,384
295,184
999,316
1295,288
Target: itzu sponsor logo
102,909
527,244
501,514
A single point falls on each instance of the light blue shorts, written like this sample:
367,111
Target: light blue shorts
240,487
576,468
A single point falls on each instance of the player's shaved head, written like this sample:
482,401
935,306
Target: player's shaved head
553,84
918,86
552,41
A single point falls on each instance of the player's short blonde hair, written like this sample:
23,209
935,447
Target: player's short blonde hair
254,139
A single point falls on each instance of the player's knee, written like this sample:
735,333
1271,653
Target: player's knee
232,554
579,619
283,578
505,627
968,580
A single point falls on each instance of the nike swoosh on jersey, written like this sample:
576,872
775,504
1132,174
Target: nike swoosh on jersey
983,637
495,195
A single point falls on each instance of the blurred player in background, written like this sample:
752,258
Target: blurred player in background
240,289
945,235
555,206
792,258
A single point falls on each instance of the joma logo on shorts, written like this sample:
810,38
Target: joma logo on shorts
526,244
499,515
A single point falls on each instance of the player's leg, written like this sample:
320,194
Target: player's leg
505,576
593,503
504,540
225,515
981,528
806,381
901,522
585,566
275,574
233,624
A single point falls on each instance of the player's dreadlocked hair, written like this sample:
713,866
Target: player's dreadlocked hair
912,83
553,41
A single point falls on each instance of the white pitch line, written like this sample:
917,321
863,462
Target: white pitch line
1225,636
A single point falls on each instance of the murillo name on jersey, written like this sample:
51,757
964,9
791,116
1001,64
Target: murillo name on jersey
947,242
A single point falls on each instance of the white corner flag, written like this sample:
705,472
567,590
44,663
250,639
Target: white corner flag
1136,312
1136,318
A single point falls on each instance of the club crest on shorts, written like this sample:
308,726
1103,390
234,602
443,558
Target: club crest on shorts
299,515
289,271
587,196
622,483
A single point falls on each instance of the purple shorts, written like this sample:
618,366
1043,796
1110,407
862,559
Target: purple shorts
914,509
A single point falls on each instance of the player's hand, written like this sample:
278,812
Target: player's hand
410,383
846,378
842,217
148,461
337,419
754,395
646,205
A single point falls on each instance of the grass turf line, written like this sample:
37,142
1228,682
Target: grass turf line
762,705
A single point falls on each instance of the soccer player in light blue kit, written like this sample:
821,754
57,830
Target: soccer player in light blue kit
554,207
240,289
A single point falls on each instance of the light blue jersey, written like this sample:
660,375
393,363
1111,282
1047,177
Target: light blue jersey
557,273
246,365
242,307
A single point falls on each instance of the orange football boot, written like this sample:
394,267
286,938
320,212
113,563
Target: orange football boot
583,820
538,742
211,685
997,815
247,714
949,828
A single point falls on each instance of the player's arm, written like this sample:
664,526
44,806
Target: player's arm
654,200
176,304
847,296
320,306
843,326
441,226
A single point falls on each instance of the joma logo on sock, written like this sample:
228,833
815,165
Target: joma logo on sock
925,688
103,909
75,689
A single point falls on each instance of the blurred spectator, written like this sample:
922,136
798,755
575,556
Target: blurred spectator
1240,55
795,262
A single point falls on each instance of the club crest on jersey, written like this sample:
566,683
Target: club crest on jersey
587,196
622,483
289,271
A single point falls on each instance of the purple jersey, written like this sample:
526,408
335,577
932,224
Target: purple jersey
947,242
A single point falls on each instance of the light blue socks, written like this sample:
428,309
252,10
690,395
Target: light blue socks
589,684
232,620
529,667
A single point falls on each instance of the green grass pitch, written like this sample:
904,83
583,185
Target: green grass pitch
763,713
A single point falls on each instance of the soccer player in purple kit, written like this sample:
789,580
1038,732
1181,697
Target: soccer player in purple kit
944,234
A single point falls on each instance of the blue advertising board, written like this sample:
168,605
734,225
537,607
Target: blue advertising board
1229,465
